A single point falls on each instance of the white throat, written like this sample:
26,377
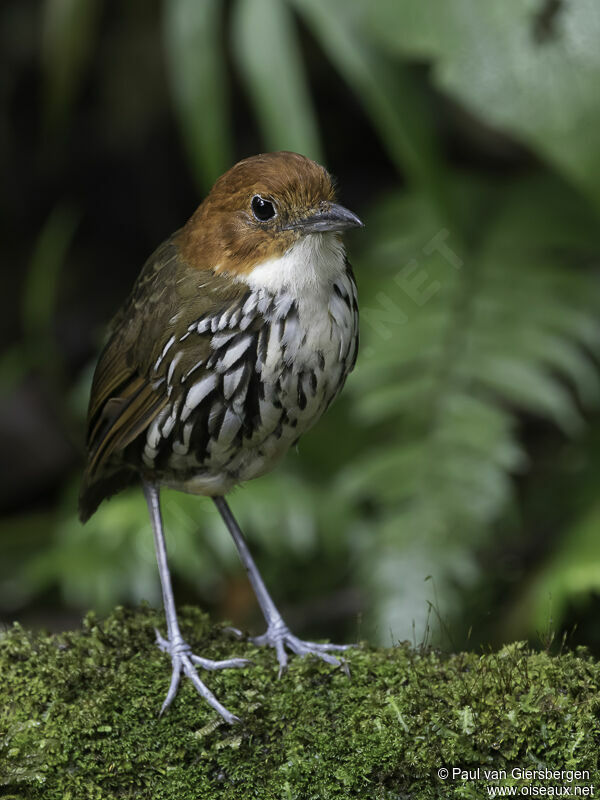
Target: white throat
310,266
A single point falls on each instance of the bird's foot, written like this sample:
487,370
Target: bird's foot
184,661
279,636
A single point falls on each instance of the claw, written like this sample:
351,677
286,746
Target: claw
279,636
174,685
183,661
234,631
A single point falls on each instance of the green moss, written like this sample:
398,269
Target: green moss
79,718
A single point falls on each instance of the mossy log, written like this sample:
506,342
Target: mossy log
79,719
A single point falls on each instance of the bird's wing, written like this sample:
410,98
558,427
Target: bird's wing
128,410
131,382
122,401
122,405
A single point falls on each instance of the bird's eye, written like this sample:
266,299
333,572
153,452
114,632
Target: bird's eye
262,209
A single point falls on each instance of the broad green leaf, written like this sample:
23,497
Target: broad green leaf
387,92
41,286
269,60
68,31
538,82
38,347
570,574
196,69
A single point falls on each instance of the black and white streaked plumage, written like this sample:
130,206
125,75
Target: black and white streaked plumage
240,331
268,367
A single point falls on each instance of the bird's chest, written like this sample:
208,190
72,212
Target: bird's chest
273,365
306,361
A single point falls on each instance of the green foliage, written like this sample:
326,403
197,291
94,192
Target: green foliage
283,103
479,293
112,556
68,36
196,67
472,312
393,104
38,348
456,344
522,69
572,574
41,288
79,718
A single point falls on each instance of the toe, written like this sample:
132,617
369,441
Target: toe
207,694
309,648
281,656
326,646
234,631
183,660
161,641
175,678
207,663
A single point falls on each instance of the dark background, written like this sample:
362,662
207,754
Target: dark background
451,495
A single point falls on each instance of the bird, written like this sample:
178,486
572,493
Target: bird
239,332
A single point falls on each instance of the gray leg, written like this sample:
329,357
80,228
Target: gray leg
182,658
277,634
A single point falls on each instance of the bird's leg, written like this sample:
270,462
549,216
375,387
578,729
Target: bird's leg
277,634
182,658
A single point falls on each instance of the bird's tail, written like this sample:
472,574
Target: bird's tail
95,490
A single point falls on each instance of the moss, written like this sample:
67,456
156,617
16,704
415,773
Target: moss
79,718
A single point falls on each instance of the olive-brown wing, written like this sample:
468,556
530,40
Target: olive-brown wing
131,382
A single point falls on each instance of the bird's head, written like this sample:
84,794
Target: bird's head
261,209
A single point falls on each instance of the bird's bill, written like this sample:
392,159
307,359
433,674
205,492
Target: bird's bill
333,218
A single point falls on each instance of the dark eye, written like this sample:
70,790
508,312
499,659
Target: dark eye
262,209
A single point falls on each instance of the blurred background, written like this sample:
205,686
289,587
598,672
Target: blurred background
451,494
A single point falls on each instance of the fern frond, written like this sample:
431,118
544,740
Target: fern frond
458,344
